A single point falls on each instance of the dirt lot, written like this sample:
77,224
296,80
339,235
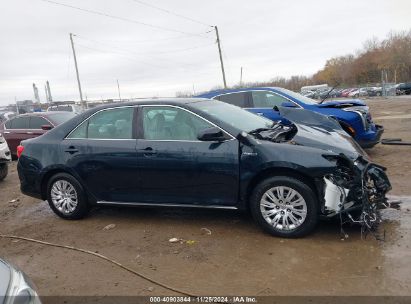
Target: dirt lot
235,259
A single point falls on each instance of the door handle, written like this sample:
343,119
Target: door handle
6,132
71,150
259,113
148,151
30,133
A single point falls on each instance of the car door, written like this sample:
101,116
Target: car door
35,124
15,131
177,168
263,103
102,153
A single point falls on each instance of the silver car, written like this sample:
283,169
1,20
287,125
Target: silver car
15,286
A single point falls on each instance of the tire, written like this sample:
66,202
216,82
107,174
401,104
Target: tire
277,211
74,203
4,170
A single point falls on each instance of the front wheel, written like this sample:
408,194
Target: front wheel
4,170
284,206
66,197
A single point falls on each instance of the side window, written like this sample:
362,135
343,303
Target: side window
264,99
107,124
37,122
169,123
9,123
19,123
80,132
237,99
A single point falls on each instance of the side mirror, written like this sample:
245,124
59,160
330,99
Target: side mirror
211,134
288,104
46,127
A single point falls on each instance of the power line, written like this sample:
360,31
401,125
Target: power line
120,18
171,13
133,52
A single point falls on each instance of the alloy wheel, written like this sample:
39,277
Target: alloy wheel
283,208
64,196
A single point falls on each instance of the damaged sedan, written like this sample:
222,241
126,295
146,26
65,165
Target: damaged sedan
205,153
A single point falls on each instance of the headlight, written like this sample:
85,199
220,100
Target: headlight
363,113
21,290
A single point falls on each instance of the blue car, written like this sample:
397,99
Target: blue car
353,115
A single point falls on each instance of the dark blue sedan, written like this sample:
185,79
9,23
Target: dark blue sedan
202,153
353,115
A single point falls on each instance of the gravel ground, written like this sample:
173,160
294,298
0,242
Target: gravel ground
231,257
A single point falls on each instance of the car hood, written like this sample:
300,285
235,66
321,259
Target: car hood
322,132
327,140
341,103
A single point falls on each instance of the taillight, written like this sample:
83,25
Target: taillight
20,150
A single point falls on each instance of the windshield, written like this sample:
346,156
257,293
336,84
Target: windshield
298,96
233,115
59,118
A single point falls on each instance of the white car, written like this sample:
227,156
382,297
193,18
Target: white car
5,158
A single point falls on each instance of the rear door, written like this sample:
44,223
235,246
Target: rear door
15,131
35,124
177,168
102,151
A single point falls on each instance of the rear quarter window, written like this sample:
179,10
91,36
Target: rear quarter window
237,99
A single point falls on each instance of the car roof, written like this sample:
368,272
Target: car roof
152,101
41,113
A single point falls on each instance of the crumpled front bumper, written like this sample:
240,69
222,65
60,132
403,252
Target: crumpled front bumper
357,190
372,139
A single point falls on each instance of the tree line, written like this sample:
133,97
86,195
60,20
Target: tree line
390,57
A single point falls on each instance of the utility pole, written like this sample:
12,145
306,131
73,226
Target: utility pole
221,57
118,87
78,77
241,76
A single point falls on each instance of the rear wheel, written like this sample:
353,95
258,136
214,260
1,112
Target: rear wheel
4,170
284,206
66,197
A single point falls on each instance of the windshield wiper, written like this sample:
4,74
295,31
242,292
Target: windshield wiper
328,93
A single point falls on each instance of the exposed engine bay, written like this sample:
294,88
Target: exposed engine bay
278,133
356,191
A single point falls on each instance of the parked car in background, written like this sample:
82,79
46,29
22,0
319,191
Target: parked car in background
374,91
30,125
65,108
309,94
361,92
203,153
347,92
15,286
353,115
404,89
5,158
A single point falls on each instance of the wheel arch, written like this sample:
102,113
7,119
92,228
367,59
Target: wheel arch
280,171
50,173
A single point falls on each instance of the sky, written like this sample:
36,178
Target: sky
157,52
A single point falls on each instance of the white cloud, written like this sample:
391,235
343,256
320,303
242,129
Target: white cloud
267,38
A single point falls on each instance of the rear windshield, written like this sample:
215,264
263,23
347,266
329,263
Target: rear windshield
59,118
